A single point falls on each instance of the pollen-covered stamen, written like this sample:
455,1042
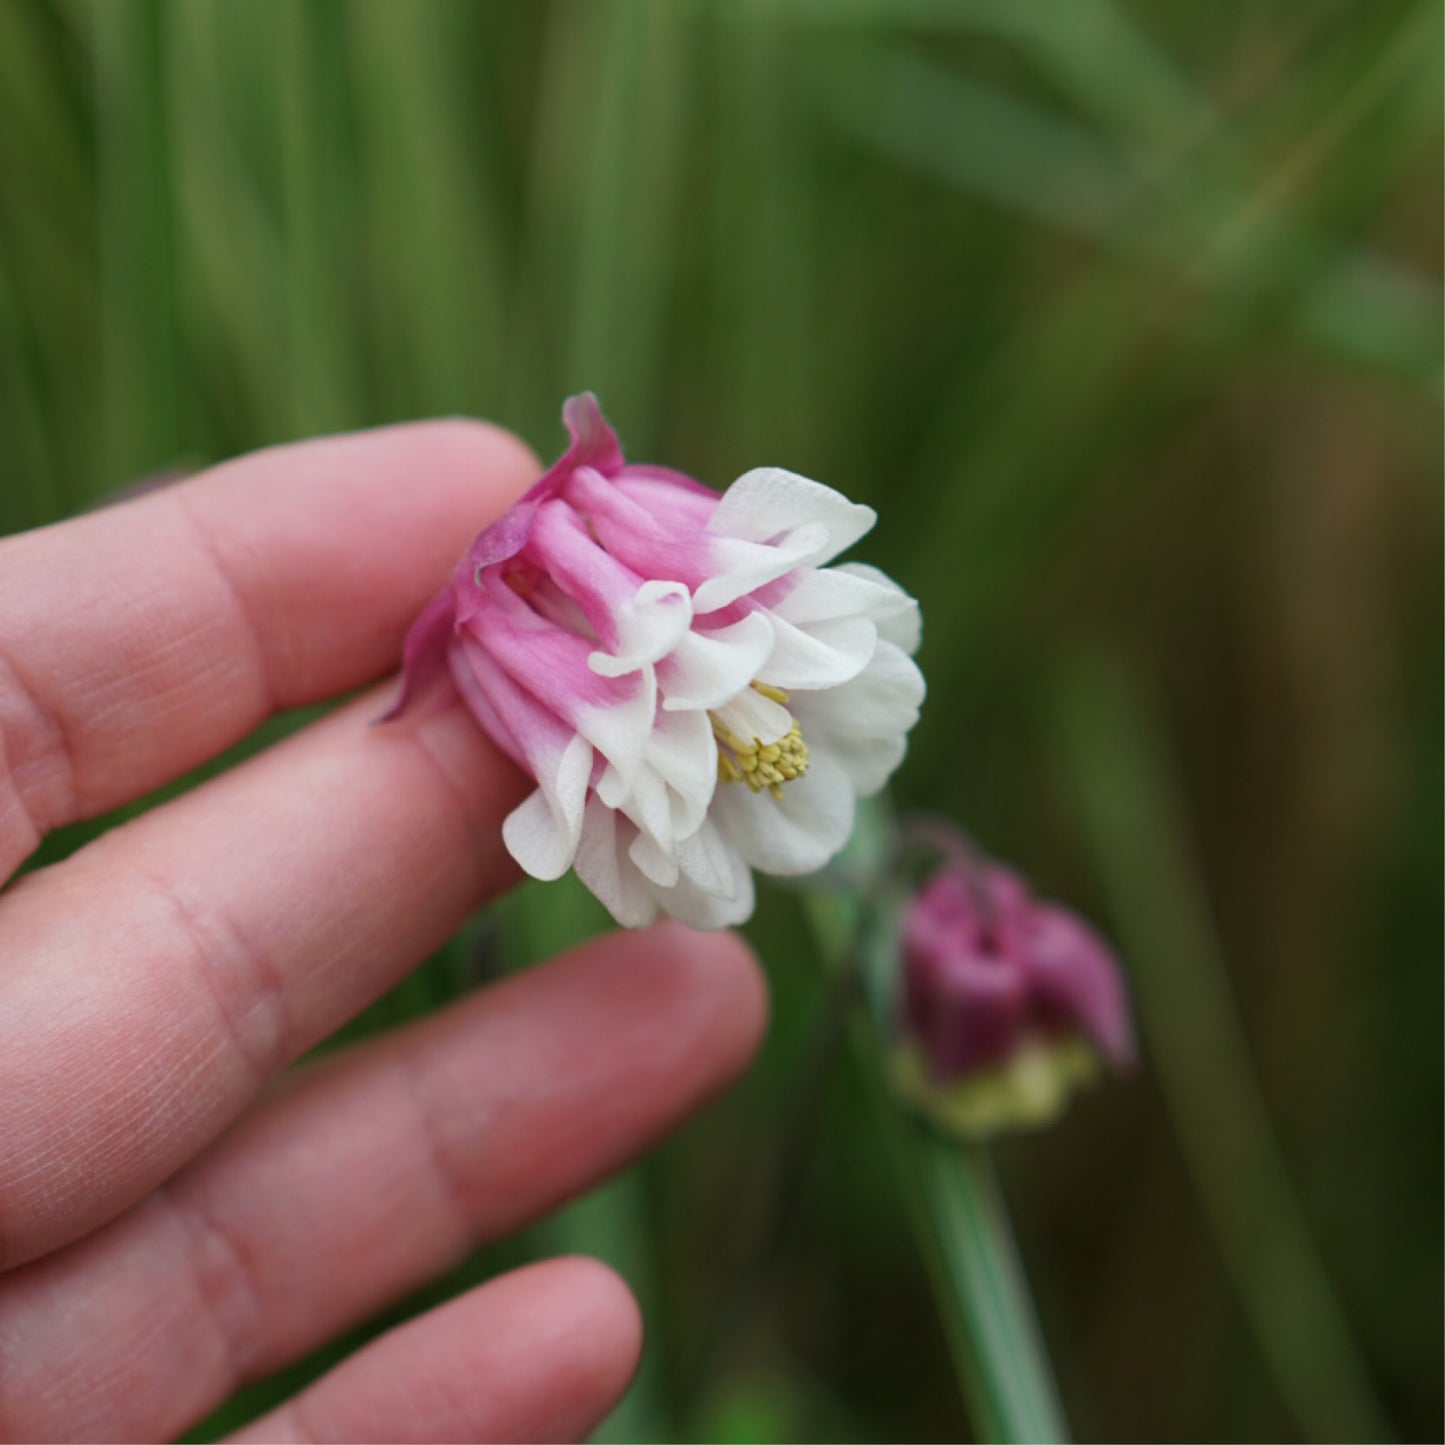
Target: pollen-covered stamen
758,764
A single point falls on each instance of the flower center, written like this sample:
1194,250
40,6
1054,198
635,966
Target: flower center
758,764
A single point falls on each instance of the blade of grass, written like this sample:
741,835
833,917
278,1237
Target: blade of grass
1107,376
606,184
142,365
233,310
36,496
762,215
928,117
320,218
1112,752
436,259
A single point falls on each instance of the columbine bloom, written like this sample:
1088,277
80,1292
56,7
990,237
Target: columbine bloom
1008,1003
695,693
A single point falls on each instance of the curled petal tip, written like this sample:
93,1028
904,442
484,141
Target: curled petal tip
594,443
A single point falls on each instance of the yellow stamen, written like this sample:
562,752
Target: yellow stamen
761,765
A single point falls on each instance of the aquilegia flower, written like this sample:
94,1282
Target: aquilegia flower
1007,1003
694,692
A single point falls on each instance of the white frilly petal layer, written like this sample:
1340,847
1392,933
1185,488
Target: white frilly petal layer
796,833
864,724
771,505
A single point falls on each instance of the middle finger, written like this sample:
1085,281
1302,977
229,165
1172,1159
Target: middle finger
155,980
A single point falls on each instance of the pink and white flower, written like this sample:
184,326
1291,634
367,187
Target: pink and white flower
695,692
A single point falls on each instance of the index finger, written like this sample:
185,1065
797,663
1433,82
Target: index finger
137,642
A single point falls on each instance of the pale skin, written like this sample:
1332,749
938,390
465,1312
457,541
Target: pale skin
180,1212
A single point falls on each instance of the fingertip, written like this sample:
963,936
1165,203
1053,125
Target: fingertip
467,446
608,1330
542,1353
722,977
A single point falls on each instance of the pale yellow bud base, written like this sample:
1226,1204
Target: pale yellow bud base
1027,1092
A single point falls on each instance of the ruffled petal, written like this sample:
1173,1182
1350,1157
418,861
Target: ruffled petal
683,753
715,888
614,714
658,865
594,445
771,505
571,561
649,626
718,569
543,831
602,863
897,615
797,833
670,495
708,668
820,655
864,724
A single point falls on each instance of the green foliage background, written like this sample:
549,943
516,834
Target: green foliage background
1125,313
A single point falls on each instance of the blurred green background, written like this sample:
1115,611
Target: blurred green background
1126,314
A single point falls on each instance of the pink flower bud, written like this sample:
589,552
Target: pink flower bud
694,692
1007,1002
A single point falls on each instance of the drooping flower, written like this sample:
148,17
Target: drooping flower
694,691
1008,1004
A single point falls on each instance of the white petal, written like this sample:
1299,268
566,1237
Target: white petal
751,715
709,861
707,668
683,753
796,833
719,896
768,504
542,832
669,794
740,567
603,865
619,731
899,619
657,864
864,724
646,804
653,624
697,909
822,654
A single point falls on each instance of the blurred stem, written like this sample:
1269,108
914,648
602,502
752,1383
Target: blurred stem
1115,752
982,1283
958,1211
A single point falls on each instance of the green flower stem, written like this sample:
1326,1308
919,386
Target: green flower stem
958,1212
980,1281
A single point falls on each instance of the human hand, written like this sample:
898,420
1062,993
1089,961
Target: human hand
174,1218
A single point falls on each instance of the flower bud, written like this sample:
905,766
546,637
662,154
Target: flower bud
1008,1004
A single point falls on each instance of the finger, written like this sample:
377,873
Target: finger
138,641
374,1172
540,1354
155,980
